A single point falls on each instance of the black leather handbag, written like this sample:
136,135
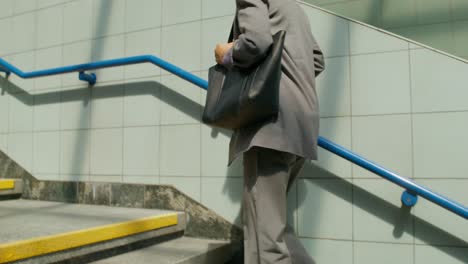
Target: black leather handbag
238,98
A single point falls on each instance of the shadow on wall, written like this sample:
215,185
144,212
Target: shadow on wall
399,217
102,25
104,11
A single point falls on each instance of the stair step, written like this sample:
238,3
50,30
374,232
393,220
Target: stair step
182,250
48,232
10,188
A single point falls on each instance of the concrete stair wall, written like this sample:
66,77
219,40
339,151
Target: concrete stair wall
52,209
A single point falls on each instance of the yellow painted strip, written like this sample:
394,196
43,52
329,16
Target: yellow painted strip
44,245
7,184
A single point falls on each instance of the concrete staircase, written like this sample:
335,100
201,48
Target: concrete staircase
183,250
54,232
94,222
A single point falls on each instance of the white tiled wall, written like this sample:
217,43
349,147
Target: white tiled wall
142,42
20,148
329,251
107,106
45,59
181,44
333,88
74,152
438,82
140,151
316,218
378,86
360,44
46,156
440,145
49,23
338,130
402,107
146,14
77,20
385,139
106,151
377,221
108,17
439,24
365,252
26,62
331,32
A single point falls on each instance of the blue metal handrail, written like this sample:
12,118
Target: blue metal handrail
409,196
91,78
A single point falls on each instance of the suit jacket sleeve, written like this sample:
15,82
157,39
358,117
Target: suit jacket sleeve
254,38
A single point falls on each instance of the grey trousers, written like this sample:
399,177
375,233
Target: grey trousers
268,176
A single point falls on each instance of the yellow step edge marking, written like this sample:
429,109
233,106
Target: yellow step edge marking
49,244
7,184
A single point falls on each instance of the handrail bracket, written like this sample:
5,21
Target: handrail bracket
87,77
409,198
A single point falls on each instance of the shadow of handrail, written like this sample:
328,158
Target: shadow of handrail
400,218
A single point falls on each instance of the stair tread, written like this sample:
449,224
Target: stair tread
182,250
27,219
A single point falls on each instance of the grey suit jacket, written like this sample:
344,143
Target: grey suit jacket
295,129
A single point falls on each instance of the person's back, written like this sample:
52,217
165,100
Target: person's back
302,58
299,109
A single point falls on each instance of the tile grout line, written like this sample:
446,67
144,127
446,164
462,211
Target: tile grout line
351,142
200,159
122,136
33,89
89,131
124,87
160,106
391,29
157,178
8,117
67,2
60,98
35,37
413,218
8,17
125,32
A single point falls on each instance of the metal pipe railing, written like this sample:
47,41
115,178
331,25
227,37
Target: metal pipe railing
413,190
409,196
91,78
